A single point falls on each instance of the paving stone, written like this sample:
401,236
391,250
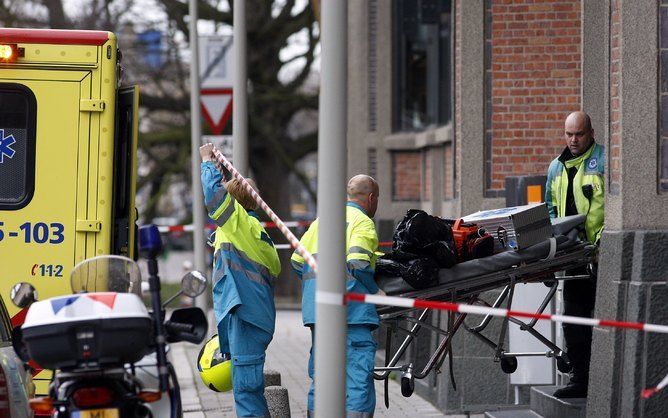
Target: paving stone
288,355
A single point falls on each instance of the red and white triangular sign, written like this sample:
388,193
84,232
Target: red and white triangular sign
216,108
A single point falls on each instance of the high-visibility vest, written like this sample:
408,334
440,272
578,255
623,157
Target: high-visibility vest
589,177
246,262
361,244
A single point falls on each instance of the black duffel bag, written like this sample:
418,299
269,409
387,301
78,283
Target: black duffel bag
420,234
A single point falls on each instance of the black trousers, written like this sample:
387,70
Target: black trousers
579,298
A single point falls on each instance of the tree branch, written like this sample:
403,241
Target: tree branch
57,19
178,10
173,104
174,136
310,58
302,146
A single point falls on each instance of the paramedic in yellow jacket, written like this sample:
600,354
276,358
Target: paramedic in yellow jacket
245,267
361,244
575,185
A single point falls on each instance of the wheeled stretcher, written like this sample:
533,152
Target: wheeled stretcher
464,283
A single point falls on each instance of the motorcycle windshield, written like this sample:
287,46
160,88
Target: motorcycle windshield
106,273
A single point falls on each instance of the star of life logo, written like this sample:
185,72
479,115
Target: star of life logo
6,143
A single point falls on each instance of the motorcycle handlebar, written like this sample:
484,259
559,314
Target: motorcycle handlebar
176,327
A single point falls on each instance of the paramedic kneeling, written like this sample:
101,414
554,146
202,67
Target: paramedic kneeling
575,186
245,267
361,244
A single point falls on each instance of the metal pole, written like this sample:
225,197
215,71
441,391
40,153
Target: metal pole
239,95
195,142
330,336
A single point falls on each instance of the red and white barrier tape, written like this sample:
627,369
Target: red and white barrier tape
331,298
191,227
646,393
484,310
279,223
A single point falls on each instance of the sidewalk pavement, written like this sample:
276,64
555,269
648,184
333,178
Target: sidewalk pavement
288,354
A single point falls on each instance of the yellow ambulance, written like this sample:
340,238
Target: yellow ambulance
68,140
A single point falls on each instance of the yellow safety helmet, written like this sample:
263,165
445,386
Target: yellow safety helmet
215,368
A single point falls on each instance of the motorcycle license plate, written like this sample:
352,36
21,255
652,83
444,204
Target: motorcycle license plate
96,413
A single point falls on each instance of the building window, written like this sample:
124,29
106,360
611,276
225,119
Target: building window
17,145
422,63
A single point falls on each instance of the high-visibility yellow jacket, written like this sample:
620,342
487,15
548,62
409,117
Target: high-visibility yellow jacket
589,180
361,245
246,263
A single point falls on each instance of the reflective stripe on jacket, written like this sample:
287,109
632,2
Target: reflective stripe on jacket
246,263
590,176
361,244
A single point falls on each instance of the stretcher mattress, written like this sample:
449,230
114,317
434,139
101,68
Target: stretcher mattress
565,232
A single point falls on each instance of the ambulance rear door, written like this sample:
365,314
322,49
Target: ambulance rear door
124,214
44,155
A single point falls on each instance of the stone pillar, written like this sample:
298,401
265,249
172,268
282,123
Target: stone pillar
633,265
595,56
469,114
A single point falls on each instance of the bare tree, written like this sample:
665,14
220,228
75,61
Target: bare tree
274,103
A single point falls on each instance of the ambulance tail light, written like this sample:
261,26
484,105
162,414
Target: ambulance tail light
10,52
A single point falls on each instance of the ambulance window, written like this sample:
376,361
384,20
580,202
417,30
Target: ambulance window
17,145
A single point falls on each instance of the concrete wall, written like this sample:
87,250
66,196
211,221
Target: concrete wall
634,247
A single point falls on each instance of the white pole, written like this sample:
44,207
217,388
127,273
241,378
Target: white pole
195,142
239,95
330,334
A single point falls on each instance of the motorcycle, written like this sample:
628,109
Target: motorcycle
108,351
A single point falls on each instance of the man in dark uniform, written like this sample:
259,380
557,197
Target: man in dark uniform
575,185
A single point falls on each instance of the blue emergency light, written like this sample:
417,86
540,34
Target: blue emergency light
150,243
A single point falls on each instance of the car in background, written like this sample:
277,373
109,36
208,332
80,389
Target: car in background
16,386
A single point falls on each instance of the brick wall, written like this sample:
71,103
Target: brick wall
448,172
615,151
535,64
427,175
406,175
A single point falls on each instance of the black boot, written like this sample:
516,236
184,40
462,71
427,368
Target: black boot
579,377
574,389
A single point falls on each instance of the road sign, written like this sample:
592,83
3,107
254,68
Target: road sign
216,108
222,142
215,61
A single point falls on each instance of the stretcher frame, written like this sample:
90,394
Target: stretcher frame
468,290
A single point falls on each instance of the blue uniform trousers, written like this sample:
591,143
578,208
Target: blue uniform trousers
247,344
360,354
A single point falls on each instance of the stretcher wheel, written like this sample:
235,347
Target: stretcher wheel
407,386
509,364
563,365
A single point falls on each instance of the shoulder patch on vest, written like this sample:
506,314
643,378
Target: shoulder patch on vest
593,163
